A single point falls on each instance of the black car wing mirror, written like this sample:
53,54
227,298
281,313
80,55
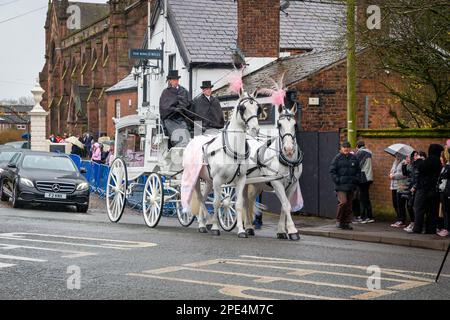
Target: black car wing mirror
12,165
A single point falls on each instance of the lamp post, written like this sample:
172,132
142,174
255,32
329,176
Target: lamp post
351,73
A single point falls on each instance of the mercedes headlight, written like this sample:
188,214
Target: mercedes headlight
26,182
83,186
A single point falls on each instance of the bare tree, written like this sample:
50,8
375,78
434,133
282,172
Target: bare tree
413,43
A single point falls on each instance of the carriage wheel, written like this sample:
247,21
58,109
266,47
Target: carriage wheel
185,218
116,189
227,209
153,200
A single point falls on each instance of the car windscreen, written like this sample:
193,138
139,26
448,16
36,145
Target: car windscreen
44,162
5,156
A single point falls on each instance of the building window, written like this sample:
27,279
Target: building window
105,56
117,109
172,62
94,59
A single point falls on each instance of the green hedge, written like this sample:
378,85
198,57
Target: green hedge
405,133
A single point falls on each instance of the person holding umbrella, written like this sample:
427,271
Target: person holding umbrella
77,146
400,151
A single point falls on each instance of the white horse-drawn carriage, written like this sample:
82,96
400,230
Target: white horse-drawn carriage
143,153
143,159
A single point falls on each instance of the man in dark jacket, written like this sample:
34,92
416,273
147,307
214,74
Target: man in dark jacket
345,172
426,202
207,109
87,141
172,103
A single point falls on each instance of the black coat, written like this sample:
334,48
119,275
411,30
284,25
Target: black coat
428,170
345,172
172,101
445,175
210,110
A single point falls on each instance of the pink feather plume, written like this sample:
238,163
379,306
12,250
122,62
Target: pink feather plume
235,81
278,97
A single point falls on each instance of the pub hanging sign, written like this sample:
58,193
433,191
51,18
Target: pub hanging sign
266,117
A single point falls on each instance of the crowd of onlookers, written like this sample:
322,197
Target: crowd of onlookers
421,190
419,182
87,148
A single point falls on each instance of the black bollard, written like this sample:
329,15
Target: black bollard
443,262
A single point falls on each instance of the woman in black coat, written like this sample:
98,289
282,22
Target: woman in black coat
426,202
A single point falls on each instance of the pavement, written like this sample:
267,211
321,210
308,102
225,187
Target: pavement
378,232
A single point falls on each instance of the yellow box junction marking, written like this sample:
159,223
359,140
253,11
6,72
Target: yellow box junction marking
405,279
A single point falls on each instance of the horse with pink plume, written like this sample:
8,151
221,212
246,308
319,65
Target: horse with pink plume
222,160
281,158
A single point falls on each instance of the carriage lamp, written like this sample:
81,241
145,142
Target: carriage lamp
83,186
142,130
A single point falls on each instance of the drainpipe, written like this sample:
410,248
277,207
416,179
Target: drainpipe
190,81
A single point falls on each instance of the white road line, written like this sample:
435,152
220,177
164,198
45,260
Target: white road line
107,243
6,265
3,256
71,254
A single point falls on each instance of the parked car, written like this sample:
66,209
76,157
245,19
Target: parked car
17,145
6,155
45,178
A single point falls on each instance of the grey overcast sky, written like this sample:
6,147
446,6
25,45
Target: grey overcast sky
22,45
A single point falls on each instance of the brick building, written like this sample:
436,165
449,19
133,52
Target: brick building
122,101
81,64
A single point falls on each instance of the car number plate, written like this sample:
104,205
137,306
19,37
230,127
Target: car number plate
55,196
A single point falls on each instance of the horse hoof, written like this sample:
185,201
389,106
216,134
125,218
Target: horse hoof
215,232
209,227
250,232
294,236
202,230
282,236
242,235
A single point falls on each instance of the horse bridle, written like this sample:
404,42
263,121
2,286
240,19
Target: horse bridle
241,109
283,136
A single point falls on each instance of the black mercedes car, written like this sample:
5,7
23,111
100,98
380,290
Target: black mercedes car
43,177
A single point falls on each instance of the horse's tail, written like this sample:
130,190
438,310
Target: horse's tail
194,205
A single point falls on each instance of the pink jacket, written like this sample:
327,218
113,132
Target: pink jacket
97,154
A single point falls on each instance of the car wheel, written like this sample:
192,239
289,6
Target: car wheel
15,202
3,196
82,208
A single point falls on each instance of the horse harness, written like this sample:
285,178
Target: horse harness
226,145
291,164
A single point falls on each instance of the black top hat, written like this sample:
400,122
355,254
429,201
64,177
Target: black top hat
173,74
206,84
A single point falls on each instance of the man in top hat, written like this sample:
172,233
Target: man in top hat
207,109
172,103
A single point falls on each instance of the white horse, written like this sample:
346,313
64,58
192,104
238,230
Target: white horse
226,162
279,156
